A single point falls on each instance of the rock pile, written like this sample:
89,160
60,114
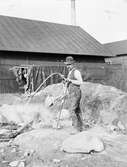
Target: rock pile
100,104
104,105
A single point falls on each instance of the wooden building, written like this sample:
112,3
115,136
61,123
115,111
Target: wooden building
30,42
119,49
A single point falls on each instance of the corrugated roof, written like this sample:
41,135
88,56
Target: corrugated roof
18,34
117,48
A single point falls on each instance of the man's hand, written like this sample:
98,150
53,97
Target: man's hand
68,81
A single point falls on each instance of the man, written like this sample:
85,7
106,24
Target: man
74,80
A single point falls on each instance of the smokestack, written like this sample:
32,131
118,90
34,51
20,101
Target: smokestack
73,13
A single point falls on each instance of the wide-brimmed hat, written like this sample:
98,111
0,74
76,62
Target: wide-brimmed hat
69,60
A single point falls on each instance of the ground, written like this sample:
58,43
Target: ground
47,153
55,158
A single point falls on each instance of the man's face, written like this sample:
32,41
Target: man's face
69,66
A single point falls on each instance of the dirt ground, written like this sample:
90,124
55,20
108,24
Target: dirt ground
50,156
49,153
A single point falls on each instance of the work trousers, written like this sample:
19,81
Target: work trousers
74,106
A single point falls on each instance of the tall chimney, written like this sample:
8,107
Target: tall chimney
73,13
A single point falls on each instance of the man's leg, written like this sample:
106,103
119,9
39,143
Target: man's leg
79,123
76,117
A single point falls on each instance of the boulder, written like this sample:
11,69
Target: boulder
84,142
42,141
3,119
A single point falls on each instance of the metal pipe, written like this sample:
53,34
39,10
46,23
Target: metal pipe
73,13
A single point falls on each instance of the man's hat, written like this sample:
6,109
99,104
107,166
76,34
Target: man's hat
69,60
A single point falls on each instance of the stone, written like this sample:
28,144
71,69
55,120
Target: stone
83,142
14,163
28,153
13,150
21,164
121,126
42,141
49,100
56,160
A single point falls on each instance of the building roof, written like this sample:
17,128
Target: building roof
117,48
17,34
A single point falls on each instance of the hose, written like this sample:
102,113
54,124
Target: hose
30,97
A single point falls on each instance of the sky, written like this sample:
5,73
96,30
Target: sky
105,20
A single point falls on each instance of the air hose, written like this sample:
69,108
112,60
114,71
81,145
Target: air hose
31,96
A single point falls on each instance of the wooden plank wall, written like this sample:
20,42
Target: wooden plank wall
8,82
114,75
107,74
99,72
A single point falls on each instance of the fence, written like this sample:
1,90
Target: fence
114,75
8,82
107,74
